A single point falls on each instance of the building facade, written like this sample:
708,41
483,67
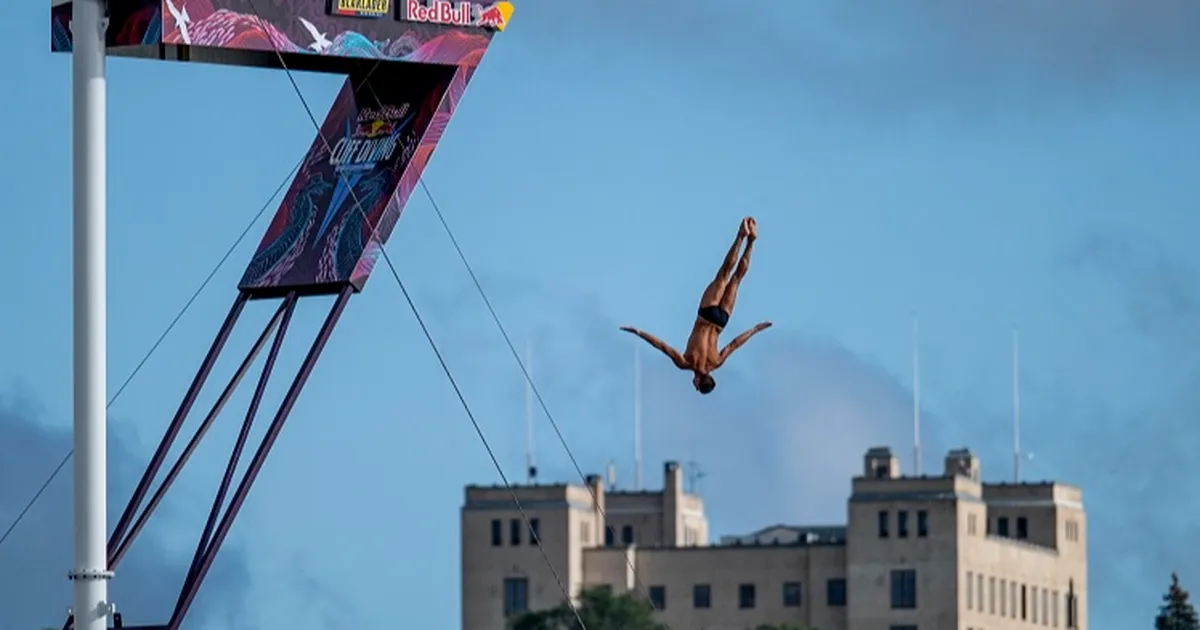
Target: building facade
945,552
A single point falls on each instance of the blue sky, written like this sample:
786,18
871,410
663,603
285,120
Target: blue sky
985,166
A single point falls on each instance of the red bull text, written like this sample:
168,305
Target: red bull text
455,13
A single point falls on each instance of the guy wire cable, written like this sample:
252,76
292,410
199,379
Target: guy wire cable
138,368
638,584
421,322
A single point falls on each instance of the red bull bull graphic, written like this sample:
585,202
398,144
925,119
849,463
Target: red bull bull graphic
361,8
492,16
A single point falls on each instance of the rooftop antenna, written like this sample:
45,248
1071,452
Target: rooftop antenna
694,475
612,475
637,419
530,466
1016,409
916,358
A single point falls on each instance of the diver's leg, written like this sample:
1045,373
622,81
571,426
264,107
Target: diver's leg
712,294
729,296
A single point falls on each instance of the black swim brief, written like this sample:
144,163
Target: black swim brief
714,315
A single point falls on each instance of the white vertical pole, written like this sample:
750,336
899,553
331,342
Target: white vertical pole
1016,393
90,572
529,462
637,420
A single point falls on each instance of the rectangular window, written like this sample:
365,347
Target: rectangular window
971,525
627,534
979,592
516,596
1071,611
658,597
514,532
902,524
1022,528
1054,608
902,628
701,596
1013,591
1024,604
883,524
535,531
1033,604
1045,607
1002,526
585,533
791,595
970,591
746,596
497,533
1003,598
922,524
609,536
835,592
991,596
904,589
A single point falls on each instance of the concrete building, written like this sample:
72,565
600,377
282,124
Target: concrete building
945,552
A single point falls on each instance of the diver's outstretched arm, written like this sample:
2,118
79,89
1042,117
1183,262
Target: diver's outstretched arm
741,340
662,346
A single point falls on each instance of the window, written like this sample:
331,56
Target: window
902,524
1033,604
514,532
970,591
1013,591
497,533
1003,598
746,596
902,628
1022,528
1024,604
791,595
627,534
883,524
1070,605
922,524
1054,608
1045,607
701,596
516,596
609,537
991,596
535,529
979,592
835,592
904,589
658,597
585,533
971,525
1002,526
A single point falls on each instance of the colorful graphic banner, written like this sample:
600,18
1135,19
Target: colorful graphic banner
358,174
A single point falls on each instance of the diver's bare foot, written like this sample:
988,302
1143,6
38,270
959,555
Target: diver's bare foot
751,228
744,227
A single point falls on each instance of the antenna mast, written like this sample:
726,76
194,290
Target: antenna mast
1016,394
637,419
530,466
916,339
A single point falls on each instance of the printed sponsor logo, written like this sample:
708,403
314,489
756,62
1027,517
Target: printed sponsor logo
494,16
374,139
362,8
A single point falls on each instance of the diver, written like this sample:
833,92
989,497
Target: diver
701,356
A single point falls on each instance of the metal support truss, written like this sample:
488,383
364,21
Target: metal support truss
217,526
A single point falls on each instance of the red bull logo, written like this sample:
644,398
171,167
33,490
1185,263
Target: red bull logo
375,128
492,16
